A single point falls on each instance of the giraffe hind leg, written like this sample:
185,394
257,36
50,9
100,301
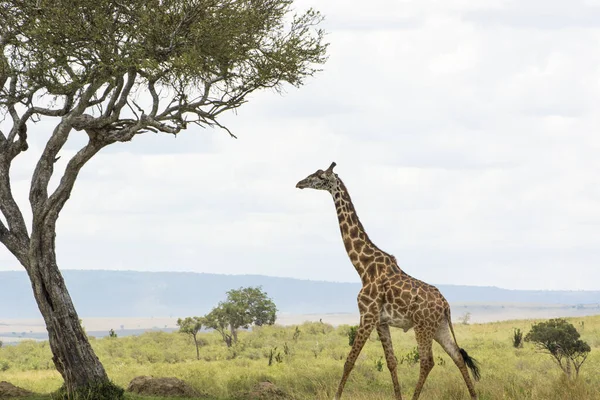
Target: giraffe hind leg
445,339
424,342
362,334
390,358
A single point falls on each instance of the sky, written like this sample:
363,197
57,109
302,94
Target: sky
466,133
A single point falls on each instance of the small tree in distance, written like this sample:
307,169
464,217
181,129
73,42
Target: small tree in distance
560,339
191,326
244,307
517,338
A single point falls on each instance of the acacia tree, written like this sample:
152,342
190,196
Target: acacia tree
243,307
560,339
191,326
108,70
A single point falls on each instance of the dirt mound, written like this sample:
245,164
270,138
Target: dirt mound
8,390
266,391
168,387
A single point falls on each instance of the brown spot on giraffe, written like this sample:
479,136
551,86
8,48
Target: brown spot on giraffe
358,245
348,244
391,297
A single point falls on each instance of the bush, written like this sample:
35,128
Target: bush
104,391
517,338
314,328
352,334
560,339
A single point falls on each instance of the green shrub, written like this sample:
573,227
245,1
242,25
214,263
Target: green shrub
352,334
517,338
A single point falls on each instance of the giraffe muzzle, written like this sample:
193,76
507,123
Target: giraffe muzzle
301,185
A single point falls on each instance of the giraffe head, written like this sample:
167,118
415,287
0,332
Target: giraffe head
320,180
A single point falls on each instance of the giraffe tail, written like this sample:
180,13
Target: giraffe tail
470,362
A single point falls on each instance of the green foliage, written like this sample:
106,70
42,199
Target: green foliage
379,364
112,334
244,307
101,391
352,334
411,357
275,355
286,349
317,328
296,334
560,339
251,306
190,325
233,47
517,339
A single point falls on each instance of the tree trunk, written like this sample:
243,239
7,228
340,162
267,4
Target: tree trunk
234,334
197,350
568,369
72,353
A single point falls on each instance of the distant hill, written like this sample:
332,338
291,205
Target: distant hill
99,293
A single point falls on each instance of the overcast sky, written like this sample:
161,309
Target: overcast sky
466,132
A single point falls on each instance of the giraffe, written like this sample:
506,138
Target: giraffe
391,297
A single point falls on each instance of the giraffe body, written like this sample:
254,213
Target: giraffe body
390,297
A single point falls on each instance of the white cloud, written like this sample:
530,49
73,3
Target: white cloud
465,131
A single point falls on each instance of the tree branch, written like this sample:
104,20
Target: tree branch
38,192
113,97
62,193
131,75
9,206
7,238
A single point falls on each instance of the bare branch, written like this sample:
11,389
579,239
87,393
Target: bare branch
101,99
9,206
113,97
38,192
62,193
12,244
84,99
155,99
131,75
215,122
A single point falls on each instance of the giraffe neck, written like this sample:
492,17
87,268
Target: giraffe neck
358,245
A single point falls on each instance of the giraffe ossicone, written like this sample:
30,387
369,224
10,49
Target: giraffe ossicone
390,297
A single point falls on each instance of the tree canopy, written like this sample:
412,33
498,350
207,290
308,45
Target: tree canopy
194,58
244,307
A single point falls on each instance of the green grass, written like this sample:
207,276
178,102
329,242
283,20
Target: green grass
313,364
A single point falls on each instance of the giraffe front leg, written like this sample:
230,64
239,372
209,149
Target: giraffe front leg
390,358
362,334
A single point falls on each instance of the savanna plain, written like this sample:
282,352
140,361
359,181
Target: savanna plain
306,362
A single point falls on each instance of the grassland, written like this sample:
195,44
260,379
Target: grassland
310,364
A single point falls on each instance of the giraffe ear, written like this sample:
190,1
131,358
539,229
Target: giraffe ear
330,169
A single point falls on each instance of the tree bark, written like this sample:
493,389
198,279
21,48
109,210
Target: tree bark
197,349
234,334
72,353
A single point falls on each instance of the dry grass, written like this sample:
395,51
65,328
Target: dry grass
313,364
